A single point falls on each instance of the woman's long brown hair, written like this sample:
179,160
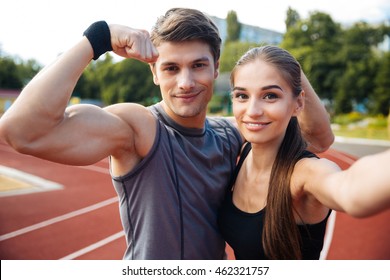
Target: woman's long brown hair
281,239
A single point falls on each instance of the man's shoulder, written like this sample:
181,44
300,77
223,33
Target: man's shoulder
223,125
217,122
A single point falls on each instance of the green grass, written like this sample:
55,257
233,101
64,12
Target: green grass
362,132
357,125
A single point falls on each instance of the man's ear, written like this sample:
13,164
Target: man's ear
216,70
153,69
300,103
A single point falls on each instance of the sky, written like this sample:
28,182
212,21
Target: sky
42,29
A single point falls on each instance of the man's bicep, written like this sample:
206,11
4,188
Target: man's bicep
86,135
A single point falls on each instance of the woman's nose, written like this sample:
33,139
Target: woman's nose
255,107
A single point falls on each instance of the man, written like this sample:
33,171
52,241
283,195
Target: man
170,164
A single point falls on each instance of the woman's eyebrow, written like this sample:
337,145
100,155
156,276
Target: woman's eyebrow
271,86
263,88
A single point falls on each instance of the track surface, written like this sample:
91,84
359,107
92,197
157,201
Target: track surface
81,220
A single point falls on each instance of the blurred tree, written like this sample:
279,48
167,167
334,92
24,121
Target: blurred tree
233,27
14,73
315,43
292,18
9,76
128,80
380,99
232,51
90,85
133,82
360,65
28,69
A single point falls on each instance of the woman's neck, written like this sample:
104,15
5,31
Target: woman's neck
262,157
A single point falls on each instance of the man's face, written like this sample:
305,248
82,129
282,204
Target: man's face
185,73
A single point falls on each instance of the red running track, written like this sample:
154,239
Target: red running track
81,220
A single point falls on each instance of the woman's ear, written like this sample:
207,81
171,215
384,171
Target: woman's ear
153,69
300,103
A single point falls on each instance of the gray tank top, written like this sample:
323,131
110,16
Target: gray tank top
169,201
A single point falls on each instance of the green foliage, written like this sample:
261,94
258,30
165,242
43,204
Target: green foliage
378,121
359,125
292,18
344,119
112,82
362,132
360,64
233,27
215,106
309,41
9,76
380,99
231,53
15,74
343,64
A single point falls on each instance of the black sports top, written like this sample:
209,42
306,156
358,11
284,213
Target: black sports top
243,231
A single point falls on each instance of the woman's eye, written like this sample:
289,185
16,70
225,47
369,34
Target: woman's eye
239,96
270,96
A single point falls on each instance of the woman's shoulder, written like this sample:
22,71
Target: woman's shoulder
309,171
306,185
309,161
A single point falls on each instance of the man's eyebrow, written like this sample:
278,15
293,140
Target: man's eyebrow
168,63
205,58
201,59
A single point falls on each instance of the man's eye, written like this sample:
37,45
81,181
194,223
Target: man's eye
199,65
171,68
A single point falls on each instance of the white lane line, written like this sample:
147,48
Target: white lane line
95,168
362,141
37,184
58,219
94,246
328,235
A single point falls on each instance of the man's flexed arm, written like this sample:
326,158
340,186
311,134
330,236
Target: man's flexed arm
314,120
39,122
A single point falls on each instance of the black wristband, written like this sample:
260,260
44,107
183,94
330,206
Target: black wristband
99,36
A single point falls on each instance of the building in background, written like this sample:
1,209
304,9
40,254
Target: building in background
7,97
250,33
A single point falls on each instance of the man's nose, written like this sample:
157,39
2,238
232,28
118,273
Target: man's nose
186,79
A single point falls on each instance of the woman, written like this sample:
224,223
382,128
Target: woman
282,194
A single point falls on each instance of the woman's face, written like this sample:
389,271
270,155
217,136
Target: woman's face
263,102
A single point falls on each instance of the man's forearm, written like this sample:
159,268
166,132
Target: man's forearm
314,120
42,103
